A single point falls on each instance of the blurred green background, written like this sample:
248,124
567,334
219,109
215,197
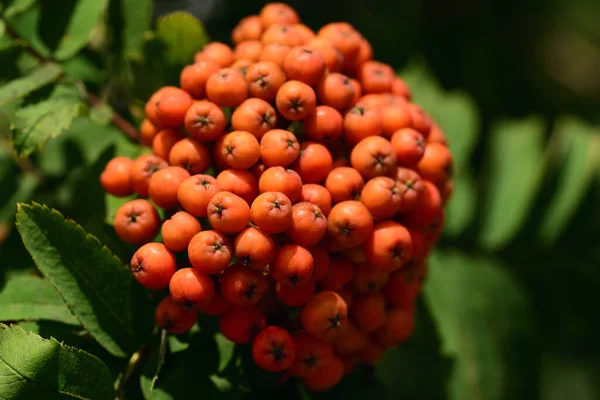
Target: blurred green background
510,308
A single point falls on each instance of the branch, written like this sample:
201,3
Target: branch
124,126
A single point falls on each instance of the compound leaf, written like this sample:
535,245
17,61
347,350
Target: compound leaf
34,125
95,285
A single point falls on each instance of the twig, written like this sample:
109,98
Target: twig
125,126
135,360
14,35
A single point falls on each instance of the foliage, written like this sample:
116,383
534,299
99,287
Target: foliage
509,299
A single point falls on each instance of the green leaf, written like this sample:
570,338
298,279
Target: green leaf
481,312
70,335
85,17
189,370
400,371
226,349
516,165
90,140
137,19
18,6
180,377
10,52
35,368
80,67
567,376
97,288
27,183
161,356
41,76
183,35
461,207
29,298
580,158
34,125
102,114
26,25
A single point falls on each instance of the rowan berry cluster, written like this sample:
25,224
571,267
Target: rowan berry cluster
303,188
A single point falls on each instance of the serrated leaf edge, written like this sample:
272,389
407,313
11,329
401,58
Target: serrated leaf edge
89,237
30,334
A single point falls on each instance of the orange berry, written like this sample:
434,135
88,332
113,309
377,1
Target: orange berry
195,192
309,225
295,296
173,318
210,252
239,149
314,164
349,224
361,122
389,247
190,154
336,90
255,116
272,212
189,288
153,265
254,248
164,141
382,196
247,50
242,324
368,312
323,125
142,170
249,28
295,100
274,349
323,315
115,177
136,222
205,121
147,132
193,77
344,183
279,147
164,185
318,195
303,64
240,182
340,273
243,286
227,88
436,164
228,212
368,279
178,230
278,13
409,146
279,179
217,52
274,52
292,266
374,156
264,79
